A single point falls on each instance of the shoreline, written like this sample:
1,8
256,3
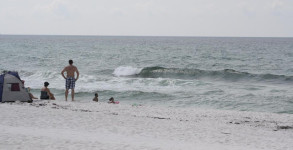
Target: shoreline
75,125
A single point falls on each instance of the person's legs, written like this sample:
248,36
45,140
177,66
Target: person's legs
67,86
70,84
52,97
66,94
72,94
32,96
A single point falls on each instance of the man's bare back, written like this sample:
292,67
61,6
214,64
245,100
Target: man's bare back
70,70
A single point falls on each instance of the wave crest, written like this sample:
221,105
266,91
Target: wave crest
126,71
226,74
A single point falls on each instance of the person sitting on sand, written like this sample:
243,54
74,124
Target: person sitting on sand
30,94
96,99
28,90
111,100
45,92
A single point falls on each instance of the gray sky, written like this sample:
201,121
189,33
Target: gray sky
148,17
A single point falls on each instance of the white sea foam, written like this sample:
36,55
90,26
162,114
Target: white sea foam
36,79
126,71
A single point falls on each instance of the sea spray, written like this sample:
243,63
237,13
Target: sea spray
126,71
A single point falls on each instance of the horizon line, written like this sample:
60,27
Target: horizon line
148,35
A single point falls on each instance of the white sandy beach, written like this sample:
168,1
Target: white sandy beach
74,125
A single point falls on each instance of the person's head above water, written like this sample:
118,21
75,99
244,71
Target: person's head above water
70,62
46,84
96,95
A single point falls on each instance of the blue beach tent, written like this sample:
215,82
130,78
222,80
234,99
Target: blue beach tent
12,89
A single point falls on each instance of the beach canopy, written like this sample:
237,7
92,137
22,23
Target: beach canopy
12,88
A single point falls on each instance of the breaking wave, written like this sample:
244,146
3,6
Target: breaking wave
178,73
126,71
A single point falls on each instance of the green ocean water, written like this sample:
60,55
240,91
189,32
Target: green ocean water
246,74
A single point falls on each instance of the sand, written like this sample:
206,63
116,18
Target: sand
92,125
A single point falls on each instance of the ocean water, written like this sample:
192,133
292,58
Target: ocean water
245,74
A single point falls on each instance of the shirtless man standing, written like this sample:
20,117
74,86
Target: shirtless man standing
70,79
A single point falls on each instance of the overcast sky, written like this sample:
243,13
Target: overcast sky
260,18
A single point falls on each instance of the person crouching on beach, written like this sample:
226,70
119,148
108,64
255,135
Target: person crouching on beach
46,93
96,99
111,100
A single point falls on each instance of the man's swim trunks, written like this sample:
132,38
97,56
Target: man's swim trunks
70,83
